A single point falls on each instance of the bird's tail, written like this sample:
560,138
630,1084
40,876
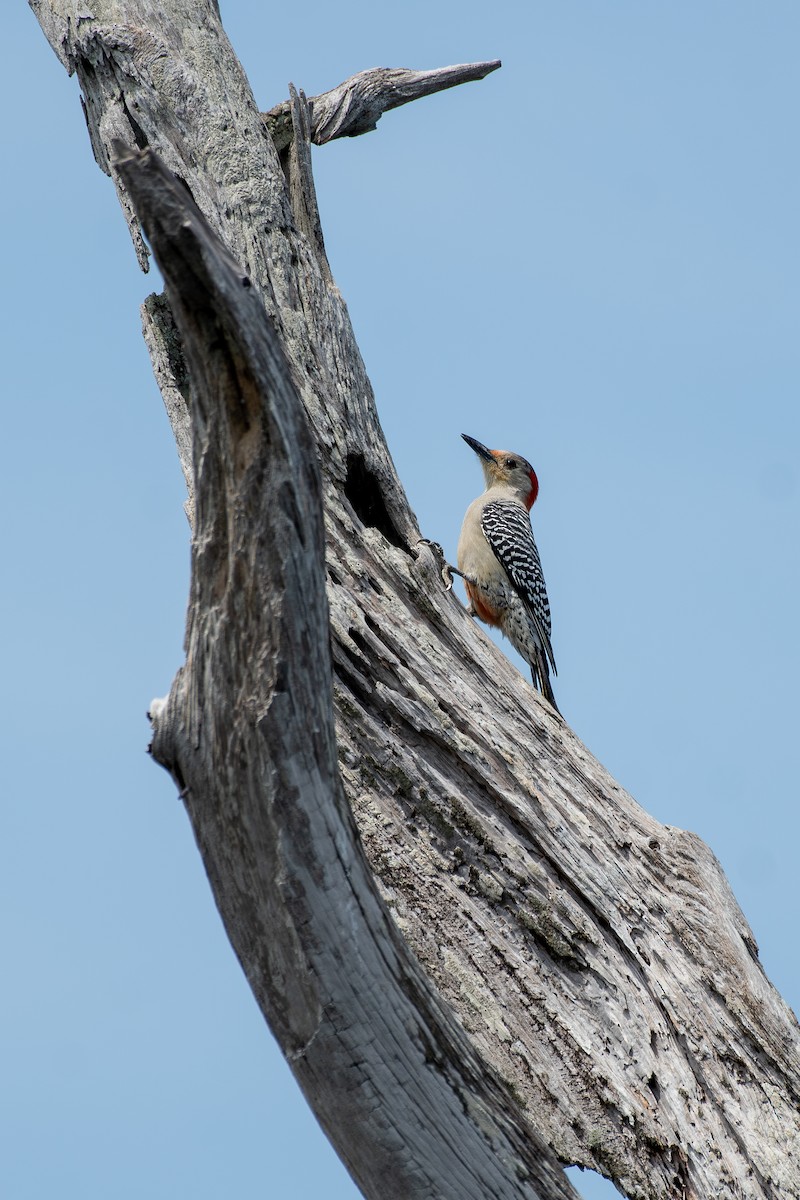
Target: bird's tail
540,674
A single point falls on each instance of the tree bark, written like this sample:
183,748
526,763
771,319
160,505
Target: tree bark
356,106
502,963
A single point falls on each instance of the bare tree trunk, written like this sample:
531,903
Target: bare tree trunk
561,978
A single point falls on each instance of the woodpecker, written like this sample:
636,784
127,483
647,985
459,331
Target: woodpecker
498,559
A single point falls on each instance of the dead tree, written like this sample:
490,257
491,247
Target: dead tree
481,958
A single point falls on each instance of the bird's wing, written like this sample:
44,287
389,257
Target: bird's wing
507,529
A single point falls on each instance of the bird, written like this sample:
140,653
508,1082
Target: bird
499,561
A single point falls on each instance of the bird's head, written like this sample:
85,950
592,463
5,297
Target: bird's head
504,468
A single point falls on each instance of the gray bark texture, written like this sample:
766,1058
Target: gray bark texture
480,956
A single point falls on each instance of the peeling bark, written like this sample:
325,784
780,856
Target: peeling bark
520,966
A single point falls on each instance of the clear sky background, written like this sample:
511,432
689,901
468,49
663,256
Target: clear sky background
590,258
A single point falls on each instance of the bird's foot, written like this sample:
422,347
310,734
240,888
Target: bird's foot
446,570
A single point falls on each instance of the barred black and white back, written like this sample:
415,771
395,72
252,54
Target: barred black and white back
507,529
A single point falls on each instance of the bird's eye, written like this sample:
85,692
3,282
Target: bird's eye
511,463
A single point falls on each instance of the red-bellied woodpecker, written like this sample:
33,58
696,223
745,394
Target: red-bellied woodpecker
498,559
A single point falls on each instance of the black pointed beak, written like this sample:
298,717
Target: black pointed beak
479,448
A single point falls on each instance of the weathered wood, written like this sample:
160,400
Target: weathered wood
356,106
248,733
296,163
608,983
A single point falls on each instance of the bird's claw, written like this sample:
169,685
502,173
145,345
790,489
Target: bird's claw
447,572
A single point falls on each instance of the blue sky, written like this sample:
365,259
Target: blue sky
590,258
